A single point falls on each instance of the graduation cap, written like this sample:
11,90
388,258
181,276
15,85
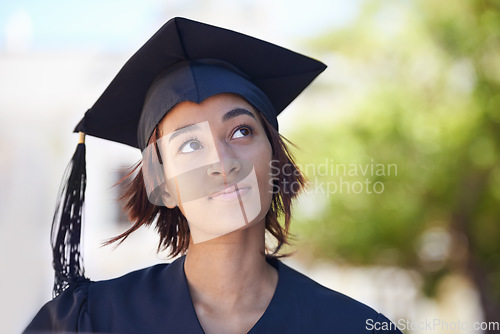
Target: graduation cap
184,60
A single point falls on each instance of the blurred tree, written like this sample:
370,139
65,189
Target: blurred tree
405,170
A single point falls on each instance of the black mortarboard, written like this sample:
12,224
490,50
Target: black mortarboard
183,61
279,73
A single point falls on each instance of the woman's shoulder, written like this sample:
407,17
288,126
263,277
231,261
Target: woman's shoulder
311,292
63,313
134,289
86,304
321,304
136,279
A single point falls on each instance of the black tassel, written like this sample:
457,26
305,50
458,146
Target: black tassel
67,223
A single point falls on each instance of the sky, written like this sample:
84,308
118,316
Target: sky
116,26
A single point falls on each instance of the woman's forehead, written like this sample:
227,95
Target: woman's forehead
212,109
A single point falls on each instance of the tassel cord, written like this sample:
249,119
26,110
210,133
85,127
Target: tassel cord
67,224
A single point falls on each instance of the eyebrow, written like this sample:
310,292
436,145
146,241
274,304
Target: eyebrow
237,112
183,129
227,116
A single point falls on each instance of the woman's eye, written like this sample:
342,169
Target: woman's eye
190,146
242,132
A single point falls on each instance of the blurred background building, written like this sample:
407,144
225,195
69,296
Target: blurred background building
399,138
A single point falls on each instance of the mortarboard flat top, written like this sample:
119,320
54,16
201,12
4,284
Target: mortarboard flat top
280,73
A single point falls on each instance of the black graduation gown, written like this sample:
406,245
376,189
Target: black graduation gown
157,300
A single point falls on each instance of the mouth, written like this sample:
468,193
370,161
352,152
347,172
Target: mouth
229,193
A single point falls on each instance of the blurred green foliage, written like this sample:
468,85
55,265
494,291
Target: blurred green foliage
416,84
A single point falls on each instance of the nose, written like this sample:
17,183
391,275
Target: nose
227,165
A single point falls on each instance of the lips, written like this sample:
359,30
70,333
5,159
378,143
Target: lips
230,192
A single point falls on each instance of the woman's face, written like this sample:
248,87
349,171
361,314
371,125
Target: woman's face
216,159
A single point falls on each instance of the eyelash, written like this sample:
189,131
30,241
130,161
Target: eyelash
243,126
181,146
239,127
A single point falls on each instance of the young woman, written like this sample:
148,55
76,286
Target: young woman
201,104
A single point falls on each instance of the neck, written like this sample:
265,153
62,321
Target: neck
230,270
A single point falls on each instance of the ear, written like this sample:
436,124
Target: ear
168,195
167,199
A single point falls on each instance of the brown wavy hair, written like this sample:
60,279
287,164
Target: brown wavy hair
173,227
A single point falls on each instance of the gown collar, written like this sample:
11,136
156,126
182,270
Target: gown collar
185,312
